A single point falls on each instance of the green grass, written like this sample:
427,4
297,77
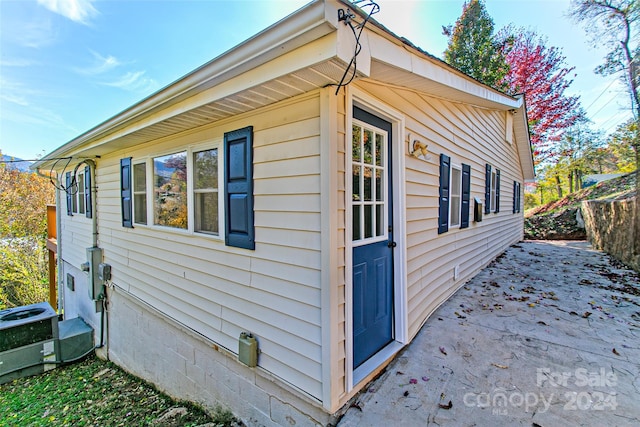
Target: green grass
96,393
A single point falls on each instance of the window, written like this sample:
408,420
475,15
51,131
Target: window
140,193
492,190
455,196
170,190
455,193
370,218
78,189
517,188
205,189
181,190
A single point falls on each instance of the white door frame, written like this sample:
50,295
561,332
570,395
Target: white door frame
358,97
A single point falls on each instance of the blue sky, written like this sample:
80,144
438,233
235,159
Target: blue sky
68,65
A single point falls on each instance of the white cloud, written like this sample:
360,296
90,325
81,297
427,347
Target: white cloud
36,34
102,64
16,62
133,81
80,11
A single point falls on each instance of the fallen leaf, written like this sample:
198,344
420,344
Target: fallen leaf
447,406
532,304
500,366
399,373
540,322
573,313
442,350
425,379
413,381
614,351
406,393
586,314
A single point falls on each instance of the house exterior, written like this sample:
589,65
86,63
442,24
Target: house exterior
257,196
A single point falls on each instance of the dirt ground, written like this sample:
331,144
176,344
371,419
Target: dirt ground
546,335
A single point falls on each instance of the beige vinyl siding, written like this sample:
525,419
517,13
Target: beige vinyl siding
76,234
469,135
220,291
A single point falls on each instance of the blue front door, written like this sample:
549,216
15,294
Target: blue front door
372,236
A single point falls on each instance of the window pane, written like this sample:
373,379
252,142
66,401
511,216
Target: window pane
456,190
356,222
206,212
170,190
455,181
379,149
455,211
379,220
140,177
81,193
357,135
368,172
206,165
379,192
493,191
357,196
140,204
140,193
368,221
368,147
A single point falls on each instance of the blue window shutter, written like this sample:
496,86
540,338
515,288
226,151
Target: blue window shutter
515,196
125,192
497,190
87,192
238,188
487,189
67,190
443,210
466,195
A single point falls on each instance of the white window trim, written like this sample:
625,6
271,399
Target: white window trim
494,183
385,190
189,150
458,167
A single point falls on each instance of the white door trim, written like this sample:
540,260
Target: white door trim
360,98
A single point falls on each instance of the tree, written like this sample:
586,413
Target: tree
23,229
473,48
614,24
23,203
621,146
539,73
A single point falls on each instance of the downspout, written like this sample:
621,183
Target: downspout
58,234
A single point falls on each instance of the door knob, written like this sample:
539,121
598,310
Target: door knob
391,244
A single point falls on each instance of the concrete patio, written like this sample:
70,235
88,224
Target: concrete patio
547,335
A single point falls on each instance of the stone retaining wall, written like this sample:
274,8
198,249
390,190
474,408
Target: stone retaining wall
611,226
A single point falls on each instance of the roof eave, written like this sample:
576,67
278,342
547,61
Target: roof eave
308,23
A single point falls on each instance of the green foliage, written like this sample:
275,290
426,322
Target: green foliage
23,203
622,146
23,272
96,393
472,47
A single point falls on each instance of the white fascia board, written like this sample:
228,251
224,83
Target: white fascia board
309,23
388,49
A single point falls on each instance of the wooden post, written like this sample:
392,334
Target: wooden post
52,247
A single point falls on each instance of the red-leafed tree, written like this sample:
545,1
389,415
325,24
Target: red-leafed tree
539,72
